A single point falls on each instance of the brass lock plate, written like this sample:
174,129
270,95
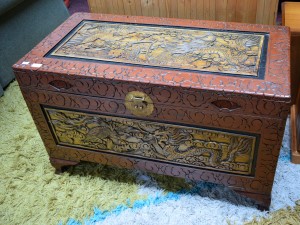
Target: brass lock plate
139,103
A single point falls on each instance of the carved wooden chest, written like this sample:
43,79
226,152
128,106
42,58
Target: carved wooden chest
196,99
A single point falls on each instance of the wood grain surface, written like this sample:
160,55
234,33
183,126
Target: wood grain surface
245,11
291,18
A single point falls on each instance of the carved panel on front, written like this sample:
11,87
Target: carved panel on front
194,147
169,47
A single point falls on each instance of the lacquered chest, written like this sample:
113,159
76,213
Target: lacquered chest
196,99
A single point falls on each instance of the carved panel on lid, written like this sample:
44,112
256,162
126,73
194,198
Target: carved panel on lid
194,49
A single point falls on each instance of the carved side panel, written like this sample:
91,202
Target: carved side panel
188,146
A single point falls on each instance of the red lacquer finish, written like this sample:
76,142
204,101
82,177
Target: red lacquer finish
209,100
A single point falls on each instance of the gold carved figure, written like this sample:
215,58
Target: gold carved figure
161,46
189,146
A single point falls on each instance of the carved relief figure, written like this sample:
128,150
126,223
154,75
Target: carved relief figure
179,144
193,49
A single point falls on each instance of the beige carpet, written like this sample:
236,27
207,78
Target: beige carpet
30,192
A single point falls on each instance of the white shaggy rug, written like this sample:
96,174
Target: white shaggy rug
207,203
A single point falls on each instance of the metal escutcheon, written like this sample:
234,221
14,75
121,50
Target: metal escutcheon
139,103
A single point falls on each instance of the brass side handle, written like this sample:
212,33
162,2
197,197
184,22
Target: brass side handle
226,104
60,84
139,103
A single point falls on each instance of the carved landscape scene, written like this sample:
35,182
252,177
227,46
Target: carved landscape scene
162,46
164,142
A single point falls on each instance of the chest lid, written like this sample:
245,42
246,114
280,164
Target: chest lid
202,55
